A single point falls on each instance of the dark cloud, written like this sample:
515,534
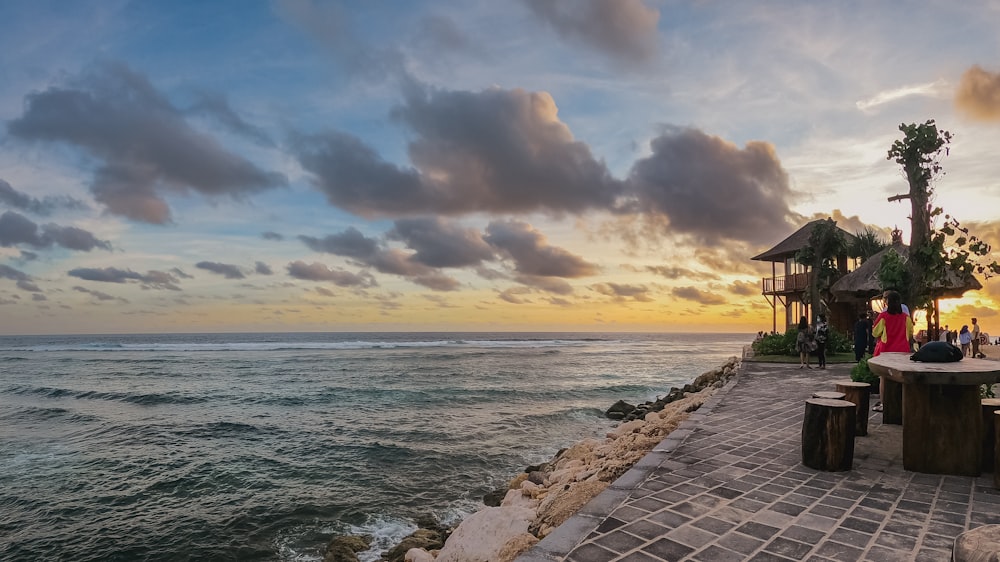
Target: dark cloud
150,280
180,273
547,284
697,295
353,244
44,206
38,297
228,271
216,107
262,268
623,291
978,94
531,253
99,295
712,190
17,229
492,151
673,272
272,236
319,272
21,279
745,288
144,144
439,243
349,243
625,30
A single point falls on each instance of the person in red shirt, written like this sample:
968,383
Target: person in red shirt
893,331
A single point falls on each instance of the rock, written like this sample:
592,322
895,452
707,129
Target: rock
427,539
561,504
493,499
345,548
516,547
482,535
517,498
418,555
537,477
620,407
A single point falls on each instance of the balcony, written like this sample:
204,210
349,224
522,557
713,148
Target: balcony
794,283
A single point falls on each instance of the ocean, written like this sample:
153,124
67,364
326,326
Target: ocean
263,446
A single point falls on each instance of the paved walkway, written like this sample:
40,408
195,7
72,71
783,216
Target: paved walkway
729,485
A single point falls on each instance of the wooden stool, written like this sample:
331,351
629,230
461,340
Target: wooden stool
829,394
858,393
828,434
892,402
979,544
990,405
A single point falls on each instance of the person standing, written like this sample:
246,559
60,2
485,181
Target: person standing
965,338
821,333
803,343
975,337
893,331
862,333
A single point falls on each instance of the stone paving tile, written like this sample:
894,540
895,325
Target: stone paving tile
729,485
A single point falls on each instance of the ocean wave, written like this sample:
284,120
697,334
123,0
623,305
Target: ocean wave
150,399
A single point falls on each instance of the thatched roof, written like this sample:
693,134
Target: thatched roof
862,283
798,240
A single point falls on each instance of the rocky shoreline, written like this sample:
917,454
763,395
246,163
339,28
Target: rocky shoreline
544,496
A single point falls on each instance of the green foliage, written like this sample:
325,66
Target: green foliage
986,391
826,242
866,244
839,343
777,344
918,152
862,373
894,273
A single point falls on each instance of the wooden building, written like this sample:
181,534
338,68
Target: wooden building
788,285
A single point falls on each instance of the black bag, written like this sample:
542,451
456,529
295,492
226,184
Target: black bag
937,352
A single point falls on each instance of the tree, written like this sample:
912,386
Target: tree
866,244
826,242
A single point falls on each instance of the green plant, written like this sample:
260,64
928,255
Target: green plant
777,344
862,373
986,391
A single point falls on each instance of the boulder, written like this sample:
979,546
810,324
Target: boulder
418,555
426,539
482,535
345,548
619,410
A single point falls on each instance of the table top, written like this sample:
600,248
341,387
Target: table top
898,367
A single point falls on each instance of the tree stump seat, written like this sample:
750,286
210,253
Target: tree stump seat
828,434
828,394
990,406
858,393
981,544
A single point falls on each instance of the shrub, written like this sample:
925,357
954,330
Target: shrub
862,373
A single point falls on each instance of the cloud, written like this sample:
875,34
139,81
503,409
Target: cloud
623,292
366,251
228,271
262,268
931,90
216,107
439,243
978,94
99,295
711,189
697,295
144,145
625,30
17,229
531,253
674,272
744,288
150,280
497,150
44,206
22,279
272,236
319,272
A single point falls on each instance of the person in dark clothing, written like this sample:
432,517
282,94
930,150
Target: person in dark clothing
862,336
821,333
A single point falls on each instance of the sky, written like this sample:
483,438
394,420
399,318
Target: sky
529,165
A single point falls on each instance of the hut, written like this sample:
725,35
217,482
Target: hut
859,287
789,288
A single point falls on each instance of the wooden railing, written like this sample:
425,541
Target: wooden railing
786,284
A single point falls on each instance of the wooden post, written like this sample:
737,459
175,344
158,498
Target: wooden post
859,394
892,401
828,434
990,406
996,451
